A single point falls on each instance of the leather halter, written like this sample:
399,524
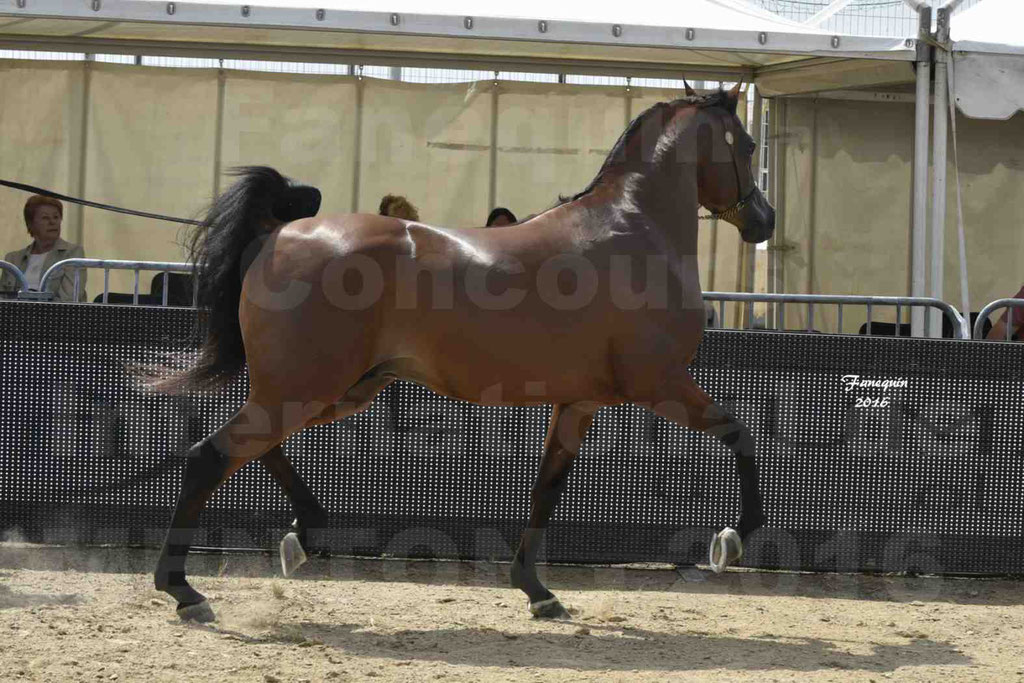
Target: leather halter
732,210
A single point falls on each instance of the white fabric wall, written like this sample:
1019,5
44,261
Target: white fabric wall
429,143
304,126
992,185
159,140
40,120
549,144
847,207
150,145
155,139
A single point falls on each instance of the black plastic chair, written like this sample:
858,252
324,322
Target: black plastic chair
122,298
879,329
179,288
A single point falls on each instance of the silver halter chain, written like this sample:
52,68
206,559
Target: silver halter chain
731,211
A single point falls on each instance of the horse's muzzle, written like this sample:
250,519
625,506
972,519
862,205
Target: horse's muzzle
756,220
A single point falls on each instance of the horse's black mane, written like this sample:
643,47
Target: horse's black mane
713,99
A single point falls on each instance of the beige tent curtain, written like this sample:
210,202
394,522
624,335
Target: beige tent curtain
40,144
847,205
992,185
304,126
155,139
159,140
151,140
846,213
429,143
549,144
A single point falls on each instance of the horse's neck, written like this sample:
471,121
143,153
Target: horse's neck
660,208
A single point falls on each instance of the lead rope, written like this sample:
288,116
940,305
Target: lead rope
96,205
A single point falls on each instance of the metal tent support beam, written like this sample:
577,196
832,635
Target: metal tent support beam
939,133
827,12
919,235
750,250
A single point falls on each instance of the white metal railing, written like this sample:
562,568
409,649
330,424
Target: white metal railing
108,265
961,329
14,270
979,324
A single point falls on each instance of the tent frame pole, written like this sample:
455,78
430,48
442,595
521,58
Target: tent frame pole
939,135
919,234
750,250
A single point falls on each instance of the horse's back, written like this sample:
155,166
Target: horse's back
467,312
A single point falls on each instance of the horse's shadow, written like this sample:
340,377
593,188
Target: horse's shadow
612,648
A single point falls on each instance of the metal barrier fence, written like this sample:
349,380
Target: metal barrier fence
15,271
57,269
961,329
983,315
875,454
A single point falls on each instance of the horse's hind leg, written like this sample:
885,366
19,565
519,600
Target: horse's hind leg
206,468
566,431
310,516
308,510
309,513
246,436
690,406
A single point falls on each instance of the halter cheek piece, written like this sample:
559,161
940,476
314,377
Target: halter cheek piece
738,206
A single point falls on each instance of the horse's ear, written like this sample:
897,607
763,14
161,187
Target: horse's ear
733,96
690,92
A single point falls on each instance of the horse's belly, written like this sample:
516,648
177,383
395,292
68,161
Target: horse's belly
492,360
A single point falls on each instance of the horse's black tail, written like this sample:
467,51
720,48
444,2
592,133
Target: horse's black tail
222,247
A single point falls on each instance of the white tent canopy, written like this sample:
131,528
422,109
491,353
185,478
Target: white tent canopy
988,58
697,13
711,39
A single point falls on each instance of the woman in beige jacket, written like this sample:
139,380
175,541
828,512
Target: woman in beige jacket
43,216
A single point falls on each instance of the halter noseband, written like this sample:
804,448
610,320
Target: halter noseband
731,211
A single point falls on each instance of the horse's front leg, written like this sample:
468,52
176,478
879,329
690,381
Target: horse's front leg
688,405
566,431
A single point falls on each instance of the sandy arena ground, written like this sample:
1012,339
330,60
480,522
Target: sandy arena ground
73,615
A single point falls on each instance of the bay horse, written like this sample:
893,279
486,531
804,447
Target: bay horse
593,303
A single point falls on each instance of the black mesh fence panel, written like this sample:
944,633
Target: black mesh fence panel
876,454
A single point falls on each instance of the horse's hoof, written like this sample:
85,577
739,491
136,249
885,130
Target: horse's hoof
292,554
200,612
726,548
549,609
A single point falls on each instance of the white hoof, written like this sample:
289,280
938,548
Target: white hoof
292,554
726,548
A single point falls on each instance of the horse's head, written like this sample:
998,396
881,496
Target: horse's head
725,183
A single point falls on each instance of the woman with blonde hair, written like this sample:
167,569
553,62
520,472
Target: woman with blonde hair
398,206
43,217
